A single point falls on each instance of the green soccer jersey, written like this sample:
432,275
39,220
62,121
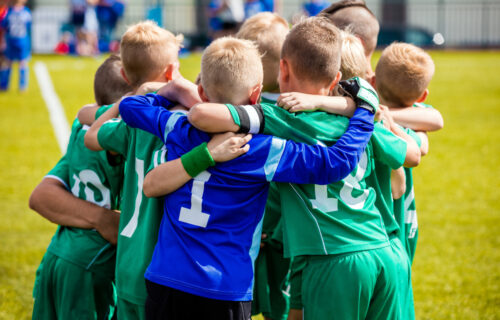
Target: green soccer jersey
405,208
328,219
89,176
140,216
380,181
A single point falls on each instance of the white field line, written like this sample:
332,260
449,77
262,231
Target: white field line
54,106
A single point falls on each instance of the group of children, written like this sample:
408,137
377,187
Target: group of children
220,216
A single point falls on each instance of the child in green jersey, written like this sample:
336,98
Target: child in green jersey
76,276
401,78
149,53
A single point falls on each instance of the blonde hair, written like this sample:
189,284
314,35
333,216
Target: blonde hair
403,73
230,67
268,30
312,48
353,62
146,50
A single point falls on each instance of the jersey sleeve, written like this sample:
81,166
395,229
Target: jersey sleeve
60,172
289,161
114,136
99,112
387,147
413,135
147,113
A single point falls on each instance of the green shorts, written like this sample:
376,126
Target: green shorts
270,293
129,310
352,286
296,268
404,279
64,290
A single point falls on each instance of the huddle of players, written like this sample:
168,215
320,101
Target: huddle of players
339,229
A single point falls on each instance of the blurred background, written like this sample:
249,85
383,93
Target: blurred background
428,23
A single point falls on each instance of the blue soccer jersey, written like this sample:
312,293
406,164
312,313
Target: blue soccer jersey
17,24
210,232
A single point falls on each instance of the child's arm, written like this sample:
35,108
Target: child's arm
424,143
54,202
86,115
296,101
418,119
221,148
398,183
181,91
413,154
90,139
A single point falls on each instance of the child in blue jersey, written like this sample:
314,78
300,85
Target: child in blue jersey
211,226
17,24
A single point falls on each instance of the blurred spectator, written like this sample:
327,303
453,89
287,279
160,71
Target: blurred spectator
225,17
4,8
268,5
313,7
108,13
17,25
252,7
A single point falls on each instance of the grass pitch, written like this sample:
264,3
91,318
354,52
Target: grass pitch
456,272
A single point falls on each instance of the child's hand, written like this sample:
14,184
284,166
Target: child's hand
227,146
295,102
149,87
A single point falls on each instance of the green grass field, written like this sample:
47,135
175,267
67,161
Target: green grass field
456,274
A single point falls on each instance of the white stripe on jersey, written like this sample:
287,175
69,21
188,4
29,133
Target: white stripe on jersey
274,157
171,123
253,117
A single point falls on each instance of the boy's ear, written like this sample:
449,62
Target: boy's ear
125,76
372,80
284,73
423,96
172,71
255,94
335,81
202,94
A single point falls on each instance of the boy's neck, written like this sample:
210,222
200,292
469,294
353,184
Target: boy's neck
392,105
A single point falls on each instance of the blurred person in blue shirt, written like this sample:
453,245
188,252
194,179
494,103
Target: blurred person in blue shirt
17,26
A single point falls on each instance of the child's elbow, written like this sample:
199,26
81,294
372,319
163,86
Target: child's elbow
412,158
196,115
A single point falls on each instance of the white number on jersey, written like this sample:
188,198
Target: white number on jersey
194,215
129,229
89,178
325,204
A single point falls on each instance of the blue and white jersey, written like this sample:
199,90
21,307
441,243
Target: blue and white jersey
210,231
17,24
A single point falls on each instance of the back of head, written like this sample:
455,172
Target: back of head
109,85
403,73
312,48
268,30
355,16
353,62
146,50
230,68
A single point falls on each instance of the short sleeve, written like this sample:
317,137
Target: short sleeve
60,172
387,147
114,136
102,110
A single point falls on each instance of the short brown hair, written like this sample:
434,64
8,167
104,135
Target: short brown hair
355,16
109,85
353,62
268,30
230,67
403,73
146,49
312,48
